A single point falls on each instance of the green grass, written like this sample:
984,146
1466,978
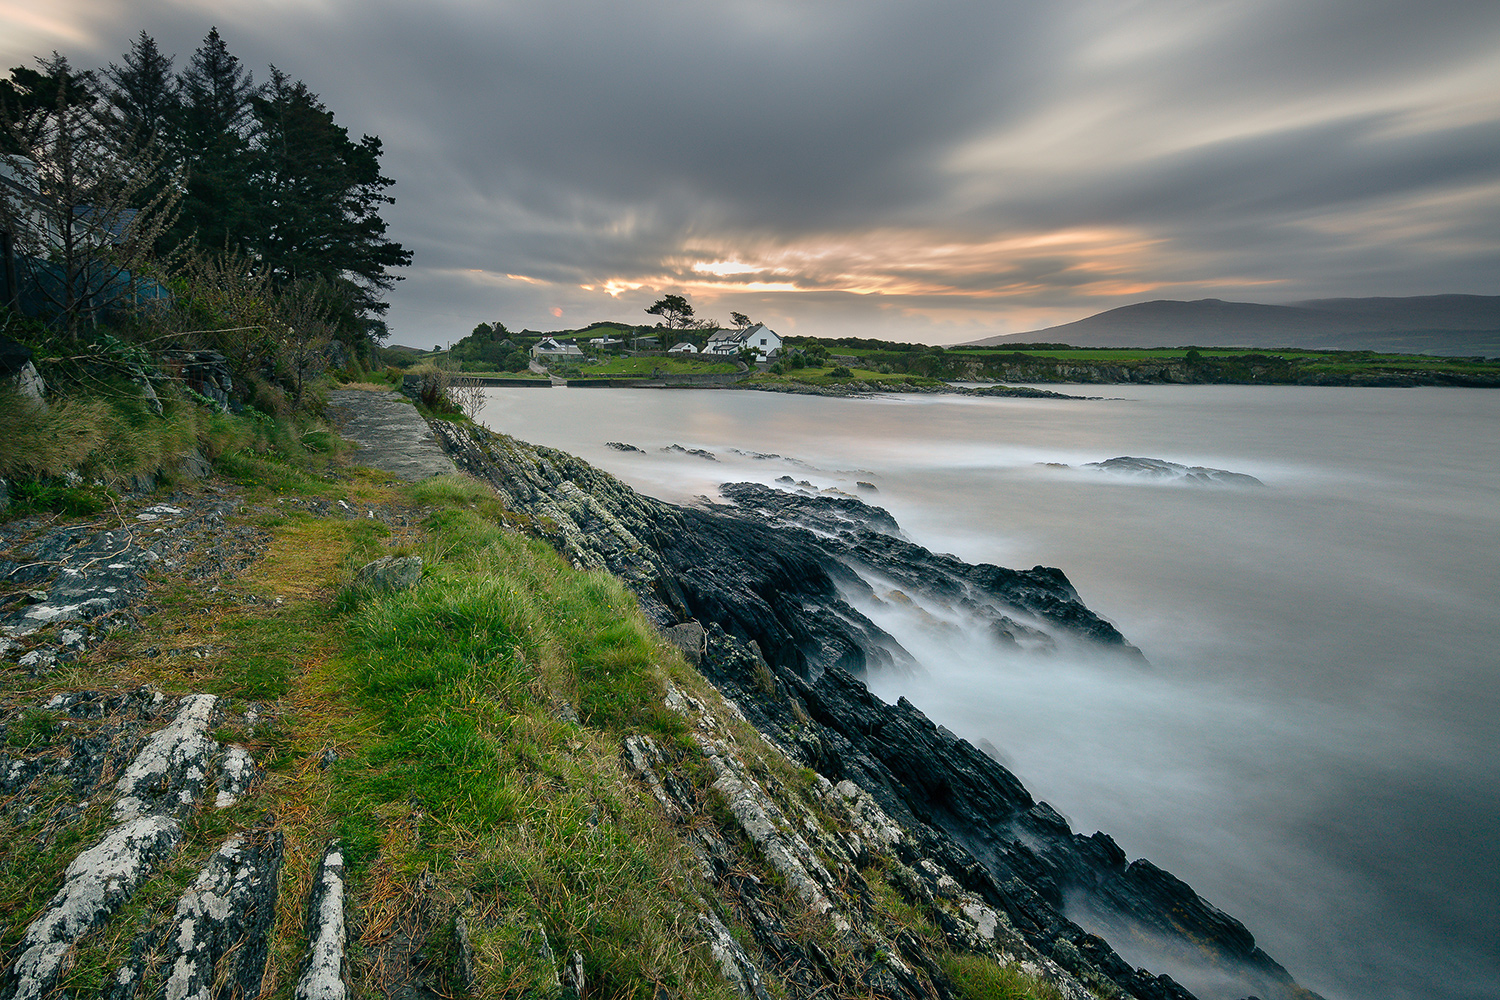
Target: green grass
977,978
424,730
1128,353
641,367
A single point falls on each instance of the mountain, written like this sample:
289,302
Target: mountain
1426,324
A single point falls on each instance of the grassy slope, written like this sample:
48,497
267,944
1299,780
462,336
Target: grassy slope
455,785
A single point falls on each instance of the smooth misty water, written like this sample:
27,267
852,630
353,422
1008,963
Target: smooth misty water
1315,746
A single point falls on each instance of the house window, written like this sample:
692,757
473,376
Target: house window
762,342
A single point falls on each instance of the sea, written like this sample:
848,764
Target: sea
1313,742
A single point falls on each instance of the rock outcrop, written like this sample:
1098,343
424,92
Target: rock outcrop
1174,472
765,582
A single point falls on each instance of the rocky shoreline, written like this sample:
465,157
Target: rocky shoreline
755,595
796,860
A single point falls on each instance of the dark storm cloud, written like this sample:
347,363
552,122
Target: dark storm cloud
986,164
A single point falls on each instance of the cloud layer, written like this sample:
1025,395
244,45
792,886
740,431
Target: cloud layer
933,171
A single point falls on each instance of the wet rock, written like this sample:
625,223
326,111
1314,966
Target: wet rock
866,487
695,452
390,573
1157,469
622,446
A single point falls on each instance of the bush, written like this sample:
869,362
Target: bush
841,372
432,387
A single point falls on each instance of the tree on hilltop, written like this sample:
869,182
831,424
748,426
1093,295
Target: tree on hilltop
675,310
740,320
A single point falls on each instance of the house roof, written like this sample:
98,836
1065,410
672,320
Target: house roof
740,336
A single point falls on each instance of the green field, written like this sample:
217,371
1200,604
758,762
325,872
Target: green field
639,367
1129,353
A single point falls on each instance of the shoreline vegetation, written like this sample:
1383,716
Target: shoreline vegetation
852,366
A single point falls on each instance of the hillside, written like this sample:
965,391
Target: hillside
1459,325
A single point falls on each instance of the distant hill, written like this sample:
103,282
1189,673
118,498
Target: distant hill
1427,324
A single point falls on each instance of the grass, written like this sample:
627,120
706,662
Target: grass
976,978
455,786
642,367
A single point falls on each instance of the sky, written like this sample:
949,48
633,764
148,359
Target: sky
928,171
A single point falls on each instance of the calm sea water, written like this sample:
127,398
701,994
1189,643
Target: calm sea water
1315,746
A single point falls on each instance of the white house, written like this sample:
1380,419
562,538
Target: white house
682,348
755,338
609,342
549,347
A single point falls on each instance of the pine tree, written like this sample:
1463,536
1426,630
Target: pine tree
144,94
215,127
318,196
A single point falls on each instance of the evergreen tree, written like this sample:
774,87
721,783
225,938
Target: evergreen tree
318,196
215,126
144,93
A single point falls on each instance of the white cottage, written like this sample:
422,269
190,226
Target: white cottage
549,347
682,348
759,338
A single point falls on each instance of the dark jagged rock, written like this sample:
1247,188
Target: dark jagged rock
622,446
867,537
1156,468
677,449
766,579
1021,392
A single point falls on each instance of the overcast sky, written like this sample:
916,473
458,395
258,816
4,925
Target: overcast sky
931,171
